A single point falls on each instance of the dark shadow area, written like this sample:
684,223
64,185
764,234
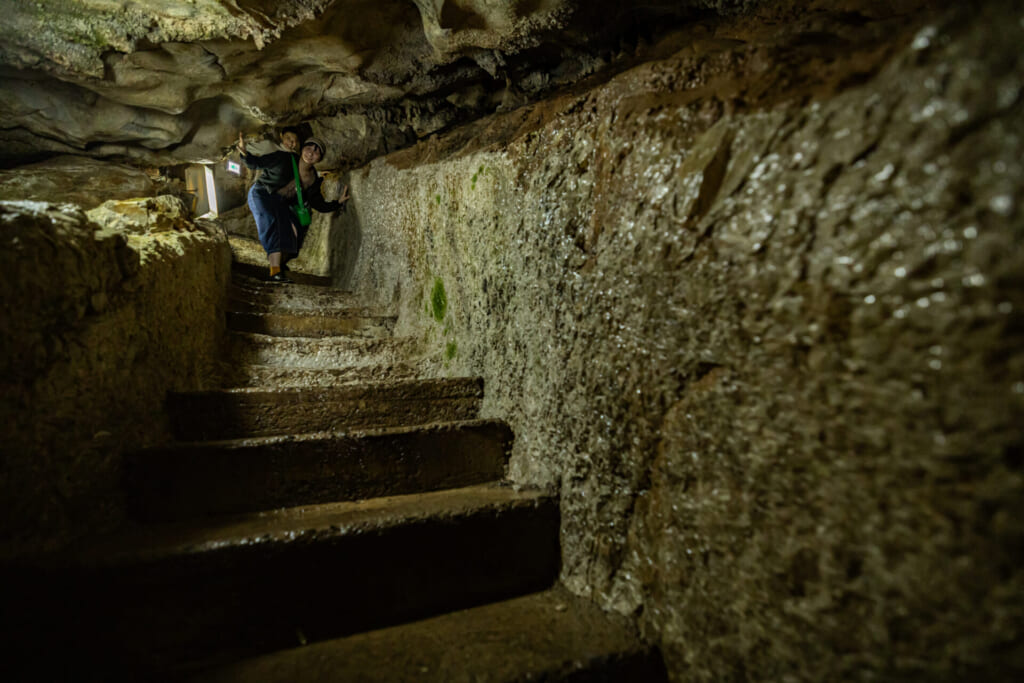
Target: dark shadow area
344,240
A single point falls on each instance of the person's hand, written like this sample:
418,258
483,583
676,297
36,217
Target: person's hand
343,197
241,143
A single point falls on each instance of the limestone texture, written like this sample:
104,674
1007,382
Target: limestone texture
143,216
80,180
98,323
171,82
754,309
177,80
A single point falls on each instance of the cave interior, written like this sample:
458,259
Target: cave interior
665,340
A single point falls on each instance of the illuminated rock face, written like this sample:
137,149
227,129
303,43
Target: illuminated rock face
761,327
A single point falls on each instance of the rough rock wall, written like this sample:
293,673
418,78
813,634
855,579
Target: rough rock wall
81,181
166,82
170,81
100,315
756,310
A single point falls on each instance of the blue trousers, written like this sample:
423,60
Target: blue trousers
274,223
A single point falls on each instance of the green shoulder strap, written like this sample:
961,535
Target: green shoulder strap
298,185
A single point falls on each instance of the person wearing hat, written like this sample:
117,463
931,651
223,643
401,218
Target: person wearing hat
273,198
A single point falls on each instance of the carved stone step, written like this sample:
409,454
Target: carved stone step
263,376
247,293
246,348
132,606
260,270
311,324
226,477
549,636
237,413
250,260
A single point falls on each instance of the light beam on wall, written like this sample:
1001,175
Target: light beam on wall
211,190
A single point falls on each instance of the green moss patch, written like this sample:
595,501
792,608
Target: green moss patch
438,300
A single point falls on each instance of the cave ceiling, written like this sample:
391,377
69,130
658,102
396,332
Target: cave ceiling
173,81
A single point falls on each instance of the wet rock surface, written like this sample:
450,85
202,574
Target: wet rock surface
755,308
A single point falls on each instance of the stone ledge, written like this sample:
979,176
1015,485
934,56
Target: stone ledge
88,317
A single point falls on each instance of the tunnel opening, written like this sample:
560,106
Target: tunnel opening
214,188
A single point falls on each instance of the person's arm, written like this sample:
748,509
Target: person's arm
316,199
256,161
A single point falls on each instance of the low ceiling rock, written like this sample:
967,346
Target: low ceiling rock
165,82
172,81
79,180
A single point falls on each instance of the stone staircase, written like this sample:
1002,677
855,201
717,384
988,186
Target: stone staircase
326,516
